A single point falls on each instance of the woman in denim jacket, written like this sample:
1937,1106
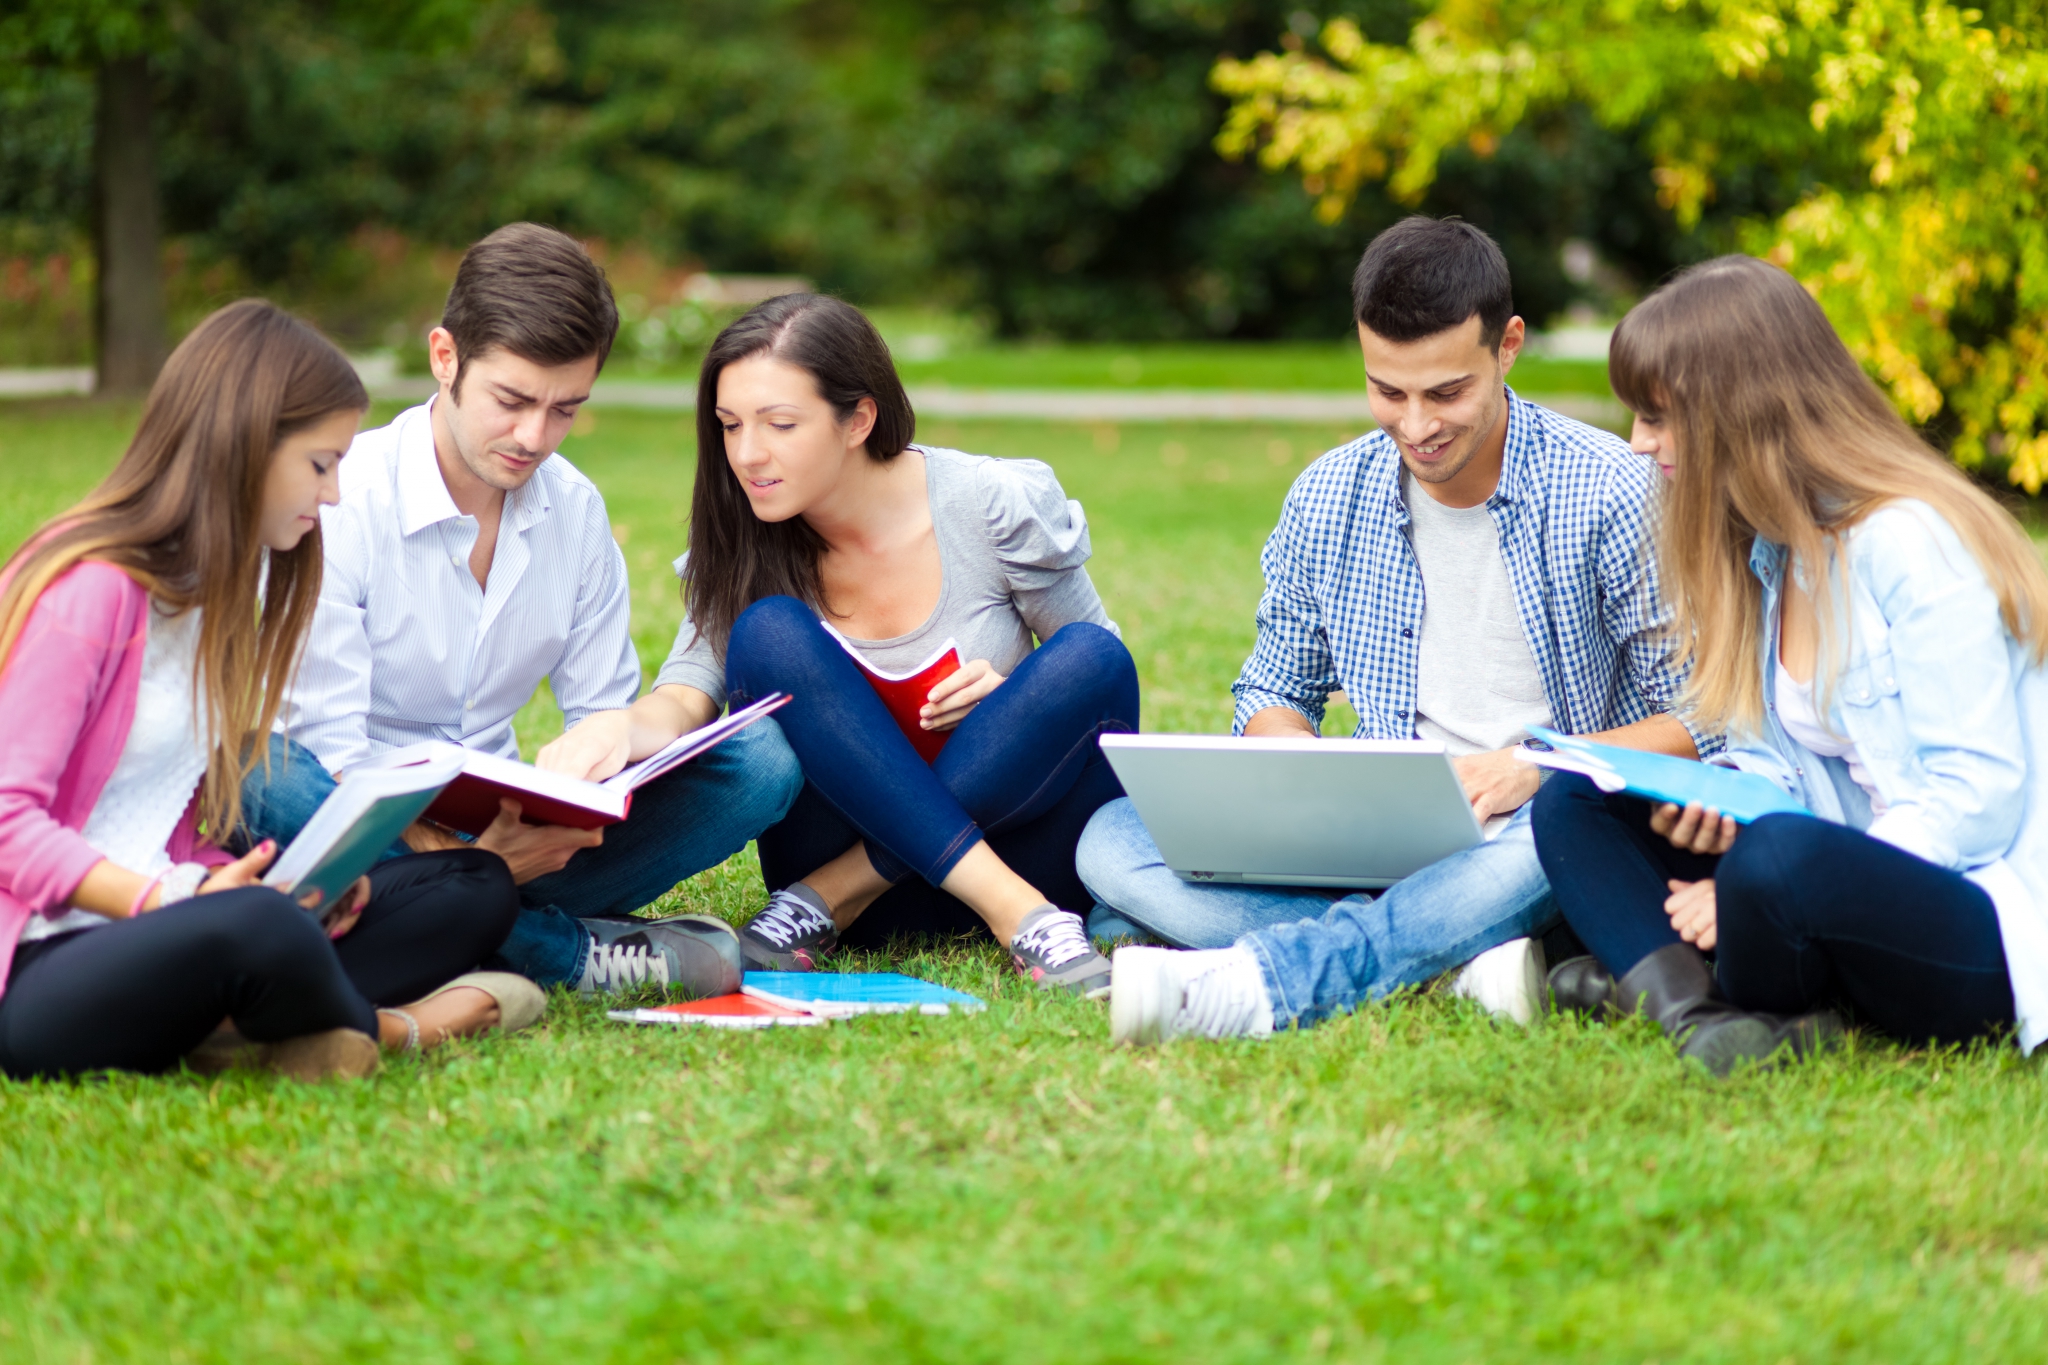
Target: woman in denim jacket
1870,629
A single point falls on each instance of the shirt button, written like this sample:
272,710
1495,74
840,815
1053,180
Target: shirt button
456,560
1407,634
469,705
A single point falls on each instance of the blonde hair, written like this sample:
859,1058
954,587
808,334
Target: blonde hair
1780,434
179,514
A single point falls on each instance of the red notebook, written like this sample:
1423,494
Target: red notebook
720,1011
905,694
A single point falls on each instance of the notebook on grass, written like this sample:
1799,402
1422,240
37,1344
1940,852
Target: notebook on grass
470,802
1660,777
842,993
721,1011
360,818
905,693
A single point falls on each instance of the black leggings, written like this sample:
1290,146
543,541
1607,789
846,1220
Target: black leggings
1807,913
140,993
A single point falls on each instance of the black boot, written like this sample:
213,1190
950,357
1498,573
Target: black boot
1675,987
1582,985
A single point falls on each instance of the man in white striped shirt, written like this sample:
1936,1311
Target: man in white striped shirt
465,563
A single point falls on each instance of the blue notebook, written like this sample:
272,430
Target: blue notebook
1660,777
839,993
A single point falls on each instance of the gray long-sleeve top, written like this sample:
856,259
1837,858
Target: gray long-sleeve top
1012,551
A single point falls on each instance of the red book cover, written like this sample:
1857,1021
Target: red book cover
905,694
720,1011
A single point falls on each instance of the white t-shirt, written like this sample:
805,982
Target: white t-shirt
160,766
1802,720
1476,684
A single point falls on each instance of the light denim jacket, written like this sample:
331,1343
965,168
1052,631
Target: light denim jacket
1950,717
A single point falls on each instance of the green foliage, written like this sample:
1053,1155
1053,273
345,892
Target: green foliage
1893,144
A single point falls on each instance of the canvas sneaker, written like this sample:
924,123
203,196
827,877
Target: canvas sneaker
695,955
792,934
1508,980
1052,948
1159,994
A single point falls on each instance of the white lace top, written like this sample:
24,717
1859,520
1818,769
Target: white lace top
159,768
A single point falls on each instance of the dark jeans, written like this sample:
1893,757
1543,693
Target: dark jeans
1808,912
1023,770
681,823
140,993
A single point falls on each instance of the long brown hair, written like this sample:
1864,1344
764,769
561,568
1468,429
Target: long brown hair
1780,434
736,559
180,515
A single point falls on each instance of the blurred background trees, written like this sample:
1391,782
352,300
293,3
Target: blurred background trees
1046,166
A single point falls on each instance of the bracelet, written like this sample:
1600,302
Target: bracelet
142,896
182,883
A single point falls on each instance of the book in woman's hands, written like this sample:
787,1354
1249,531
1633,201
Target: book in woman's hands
470,802
1660,777
905,694
360,818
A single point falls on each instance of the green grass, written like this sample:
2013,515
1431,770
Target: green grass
1413,1183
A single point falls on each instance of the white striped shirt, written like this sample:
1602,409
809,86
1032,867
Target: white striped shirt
405,646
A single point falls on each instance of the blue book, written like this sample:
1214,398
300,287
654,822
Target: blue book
1660,777
841,993
360,818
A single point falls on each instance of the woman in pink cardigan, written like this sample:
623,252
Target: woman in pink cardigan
146,637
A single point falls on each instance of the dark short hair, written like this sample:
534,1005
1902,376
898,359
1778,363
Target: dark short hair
536,293
1427,275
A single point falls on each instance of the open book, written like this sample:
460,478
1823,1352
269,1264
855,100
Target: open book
905,694
360,818
470,801
1660,777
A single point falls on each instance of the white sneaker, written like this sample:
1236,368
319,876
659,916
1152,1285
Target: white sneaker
1507,980
1157,994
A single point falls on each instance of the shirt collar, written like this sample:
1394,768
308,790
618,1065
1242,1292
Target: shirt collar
1766,560
423,497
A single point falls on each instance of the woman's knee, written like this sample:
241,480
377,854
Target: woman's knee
1762,873
480,883
1094,662
770,629
1563,800
253,930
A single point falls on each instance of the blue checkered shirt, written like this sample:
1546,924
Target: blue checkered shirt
1344,595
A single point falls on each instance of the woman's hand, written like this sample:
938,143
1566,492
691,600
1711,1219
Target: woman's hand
246,870
1693,829
592,750
1691,907
957,694
346,911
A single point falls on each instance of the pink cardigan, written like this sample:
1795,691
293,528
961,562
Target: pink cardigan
68,693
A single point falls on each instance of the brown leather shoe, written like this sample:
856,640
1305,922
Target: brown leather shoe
342,1052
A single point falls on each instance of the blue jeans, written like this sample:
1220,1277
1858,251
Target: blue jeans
1325,951
1023,770
681,823
1807,913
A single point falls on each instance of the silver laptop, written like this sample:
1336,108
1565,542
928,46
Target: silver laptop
1294,812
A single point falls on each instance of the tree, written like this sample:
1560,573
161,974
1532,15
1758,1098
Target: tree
1892,145
114,38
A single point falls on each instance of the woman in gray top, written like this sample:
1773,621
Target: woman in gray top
828,554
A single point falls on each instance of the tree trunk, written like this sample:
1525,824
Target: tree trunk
128,231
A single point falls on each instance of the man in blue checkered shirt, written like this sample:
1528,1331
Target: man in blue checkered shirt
1476,566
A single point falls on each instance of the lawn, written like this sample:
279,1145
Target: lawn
1413,1183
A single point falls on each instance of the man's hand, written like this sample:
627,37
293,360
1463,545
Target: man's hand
594,749
948,703
1691,907
1496,782
533,850
1279,722
1693,829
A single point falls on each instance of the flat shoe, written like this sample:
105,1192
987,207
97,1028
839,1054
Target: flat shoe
342,1052
520,1002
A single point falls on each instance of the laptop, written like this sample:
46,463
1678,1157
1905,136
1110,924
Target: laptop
1295,812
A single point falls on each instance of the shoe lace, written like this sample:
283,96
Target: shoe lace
628,964
787,918
1056,939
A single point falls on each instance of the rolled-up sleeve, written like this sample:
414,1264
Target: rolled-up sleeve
1291,664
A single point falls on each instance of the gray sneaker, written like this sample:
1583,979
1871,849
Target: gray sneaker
695,955
1052,948
789,935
